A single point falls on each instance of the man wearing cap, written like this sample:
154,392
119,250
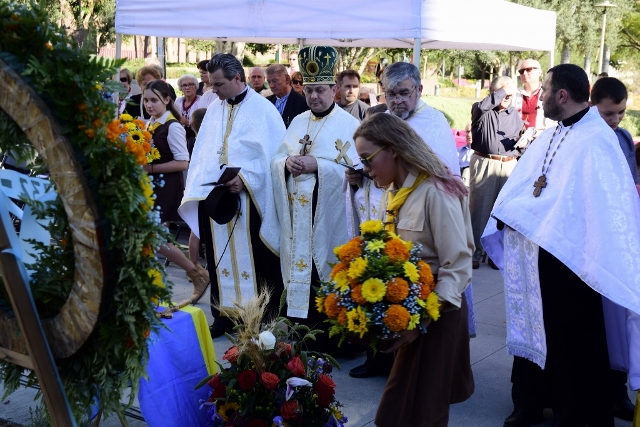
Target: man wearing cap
240,253
307,176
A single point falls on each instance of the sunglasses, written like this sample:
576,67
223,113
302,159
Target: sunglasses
124,80
528,70
366,162
296,82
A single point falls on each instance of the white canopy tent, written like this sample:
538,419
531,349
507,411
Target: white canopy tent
426,24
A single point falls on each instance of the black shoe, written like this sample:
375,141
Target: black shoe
475,264
367,371
623,409
492,264
523,418
221,326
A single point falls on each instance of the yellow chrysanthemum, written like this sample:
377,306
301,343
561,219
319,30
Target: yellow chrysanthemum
375,245
124,117
342,281
413,322
371,226
411,271
357,267
433,306
131,126
373,290
157,281
320,304
357,321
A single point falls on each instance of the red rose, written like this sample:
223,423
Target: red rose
231,355
284,348
247,379
290,410
219,389
256,422
296,367
215,381
269,380
325,388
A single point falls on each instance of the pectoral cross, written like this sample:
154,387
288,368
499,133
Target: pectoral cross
539,184
305,142
342,152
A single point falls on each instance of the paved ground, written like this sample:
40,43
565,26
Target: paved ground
489,405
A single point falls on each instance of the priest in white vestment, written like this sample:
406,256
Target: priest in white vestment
565,232
241,129
307,174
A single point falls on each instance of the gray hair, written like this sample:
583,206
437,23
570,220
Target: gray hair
500,82
398,72
187,77
276,68
229,65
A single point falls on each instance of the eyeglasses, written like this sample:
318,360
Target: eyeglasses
528,70
296,82
403,94
187,85
124,79
366,162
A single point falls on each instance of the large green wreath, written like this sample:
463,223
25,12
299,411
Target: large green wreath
72,84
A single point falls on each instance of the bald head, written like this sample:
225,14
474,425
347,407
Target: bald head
530,73
257,78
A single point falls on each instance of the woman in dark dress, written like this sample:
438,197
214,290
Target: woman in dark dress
169,138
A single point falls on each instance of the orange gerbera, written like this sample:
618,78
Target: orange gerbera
350,250
396,250
356,295
397,290
331,307
342,316
338,268
426,276
396,318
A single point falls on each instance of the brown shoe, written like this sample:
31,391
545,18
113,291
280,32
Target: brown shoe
475,264
200,278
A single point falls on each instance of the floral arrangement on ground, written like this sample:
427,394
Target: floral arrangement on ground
378,287
271,380
71,83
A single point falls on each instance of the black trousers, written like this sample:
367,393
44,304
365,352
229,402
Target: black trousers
575,382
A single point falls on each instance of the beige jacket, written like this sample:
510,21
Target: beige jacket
441,223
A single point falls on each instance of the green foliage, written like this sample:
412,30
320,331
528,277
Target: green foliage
631,122
457,110
69,82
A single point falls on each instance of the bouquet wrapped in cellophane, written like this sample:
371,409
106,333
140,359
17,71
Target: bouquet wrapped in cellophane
378,287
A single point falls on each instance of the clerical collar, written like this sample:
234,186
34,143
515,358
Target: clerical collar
575,118
238,98
324,113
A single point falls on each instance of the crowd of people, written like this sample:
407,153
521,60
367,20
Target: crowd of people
548,201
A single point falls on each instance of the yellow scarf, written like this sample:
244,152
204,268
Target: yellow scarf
151,127
395,202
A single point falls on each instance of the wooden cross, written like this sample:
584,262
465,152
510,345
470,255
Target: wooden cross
342,152
305,142
539,184
301,265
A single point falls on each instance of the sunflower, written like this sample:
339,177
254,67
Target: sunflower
371,226
396,250
358,266
397,290
396,318
228,409
331,306
433,306
357,321
411,271
320,304
136,136
373,290
356,295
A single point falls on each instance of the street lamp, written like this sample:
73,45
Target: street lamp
604,6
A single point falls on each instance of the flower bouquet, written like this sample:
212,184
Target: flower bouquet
270,379
132,135
379,287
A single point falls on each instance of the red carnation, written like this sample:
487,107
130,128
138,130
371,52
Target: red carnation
231,355
269,380
291,410
247,379
296,367
325,388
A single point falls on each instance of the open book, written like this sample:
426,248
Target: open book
227,173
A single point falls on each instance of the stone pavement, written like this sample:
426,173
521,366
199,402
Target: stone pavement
489,405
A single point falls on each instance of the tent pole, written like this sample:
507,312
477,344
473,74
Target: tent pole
118,46
551,60
416,51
